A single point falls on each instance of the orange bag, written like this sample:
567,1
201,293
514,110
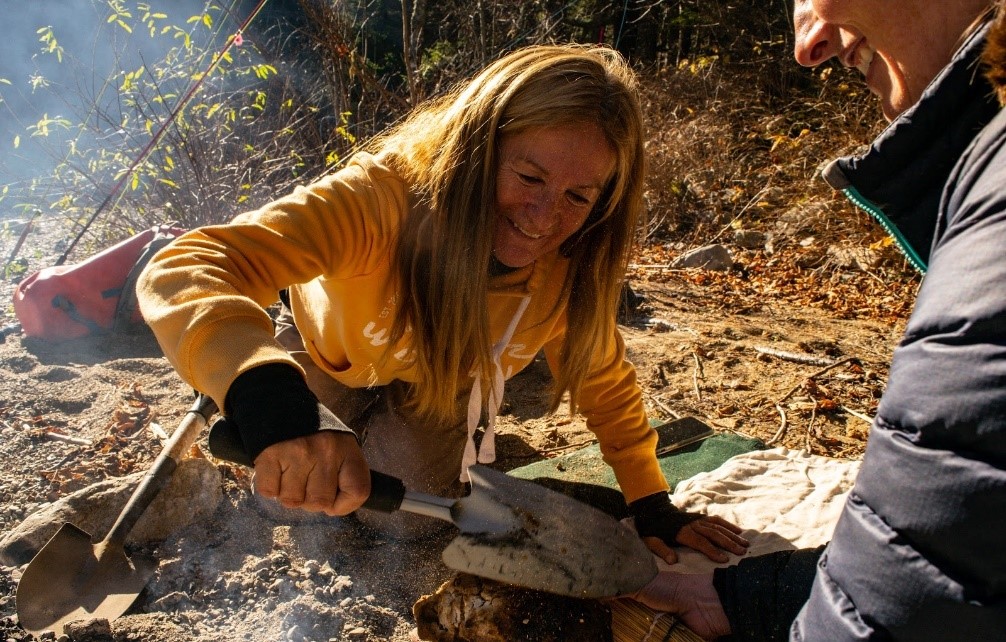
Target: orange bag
96,296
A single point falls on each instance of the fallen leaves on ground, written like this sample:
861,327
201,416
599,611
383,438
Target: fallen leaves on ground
842,293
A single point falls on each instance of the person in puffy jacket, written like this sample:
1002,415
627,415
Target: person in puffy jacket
492,223
919,551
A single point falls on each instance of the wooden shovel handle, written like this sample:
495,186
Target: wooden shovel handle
164,466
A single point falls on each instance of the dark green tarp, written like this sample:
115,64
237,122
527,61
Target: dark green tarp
584,475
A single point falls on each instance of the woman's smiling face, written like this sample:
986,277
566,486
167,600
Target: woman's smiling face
898,45
547,183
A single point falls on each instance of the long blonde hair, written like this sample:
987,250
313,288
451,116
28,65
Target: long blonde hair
994,56
448,152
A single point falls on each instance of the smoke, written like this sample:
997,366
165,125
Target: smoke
37,82
60,73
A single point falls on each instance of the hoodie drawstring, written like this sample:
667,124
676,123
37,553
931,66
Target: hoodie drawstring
487,453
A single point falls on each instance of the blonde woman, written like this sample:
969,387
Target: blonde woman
493,223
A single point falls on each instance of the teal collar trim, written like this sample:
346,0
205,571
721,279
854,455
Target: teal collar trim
878,215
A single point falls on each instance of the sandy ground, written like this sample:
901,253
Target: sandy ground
252,571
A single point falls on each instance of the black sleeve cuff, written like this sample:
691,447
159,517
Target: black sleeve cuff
763,595
656,516
269,404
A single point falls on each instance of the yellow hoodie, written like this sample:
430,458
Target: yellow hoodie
331,244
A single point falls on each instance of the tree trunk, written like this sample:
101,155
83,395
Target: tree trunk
412,39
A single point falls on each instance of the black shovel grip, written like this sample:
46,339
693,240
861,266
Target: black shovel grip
386,492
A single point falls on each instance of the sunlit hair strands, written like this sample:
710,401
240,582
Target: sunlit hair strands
994,56
448,151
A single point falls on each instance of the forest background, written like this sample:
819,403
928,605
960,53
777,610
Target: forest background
121,114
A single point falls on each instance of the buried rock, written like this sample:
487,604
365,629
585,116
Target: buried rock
470,609
93,630
193,493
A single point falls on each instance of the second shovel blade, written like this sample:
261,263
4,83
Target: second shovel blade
562,546
73,579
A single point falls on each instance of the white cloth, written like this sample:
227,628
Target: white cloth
784,499
487,453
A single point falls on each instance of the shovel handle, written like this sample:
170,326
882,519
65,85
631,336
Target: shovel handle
386,492
163,467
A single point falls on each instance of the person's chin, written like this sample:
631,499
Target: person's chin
894,98
514,263
892,106
514,259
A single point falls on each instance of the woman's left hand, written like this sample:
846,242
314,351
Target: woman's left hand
710,535
662,526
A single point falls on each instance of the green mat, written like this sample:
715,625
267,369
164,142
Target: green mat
585,466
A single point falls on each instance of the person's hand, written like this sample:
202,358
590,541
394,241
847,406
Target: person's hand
711,535
305,457
322,472
662,526
691,597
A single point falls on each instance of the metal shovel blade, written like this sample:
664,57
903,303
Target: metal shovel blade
73,578
78,581
561,546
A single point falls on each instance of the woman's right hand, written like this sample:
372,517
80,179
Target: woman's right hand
305,456
692,597
321,472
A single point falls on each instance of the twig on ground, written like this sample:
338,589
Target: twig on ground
740,433
664,406
653,266
567,446
868,419
158,431
808,359
778,405
811,432
56,436
24,234
817,374
729,226
782,427
696,375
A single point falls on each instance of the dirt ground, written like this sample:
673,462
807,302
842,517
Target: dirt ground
789,374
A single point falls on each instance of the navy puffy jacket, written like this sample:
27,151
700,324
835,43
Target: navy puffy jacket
920,549
919,552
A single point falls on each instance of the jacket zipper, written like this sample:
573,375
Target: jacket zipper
906,248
